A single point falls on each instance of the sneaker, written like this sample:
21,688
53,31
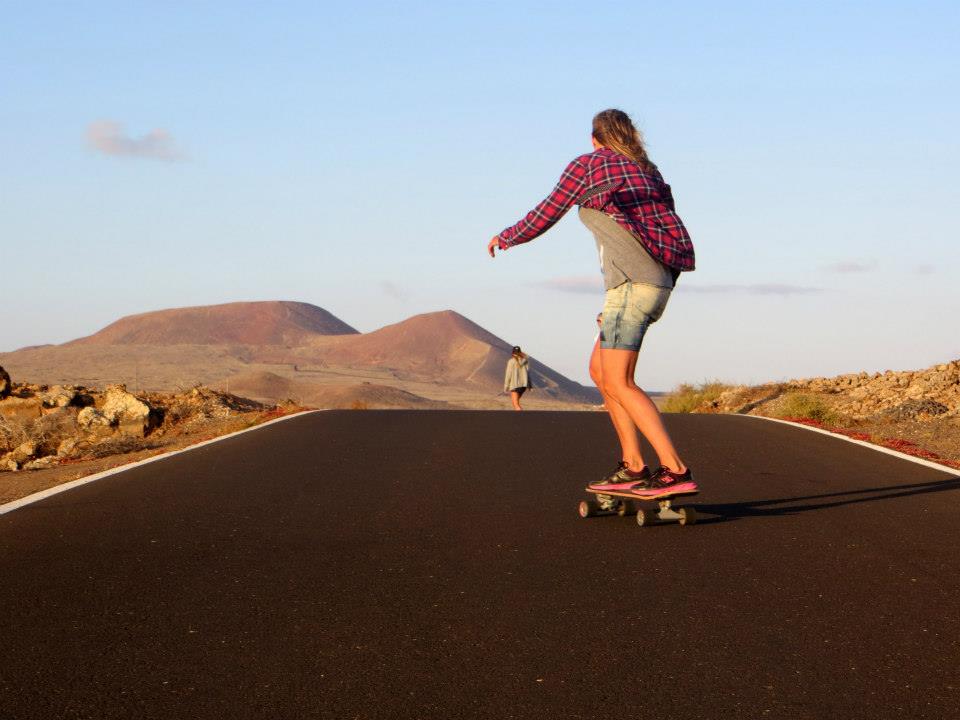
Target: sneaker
622,479
665,483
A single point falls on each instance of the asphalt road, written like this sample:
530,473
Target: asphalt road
432,565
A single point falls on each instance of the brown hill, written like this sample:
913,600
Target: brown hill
275,350
443,347
240,323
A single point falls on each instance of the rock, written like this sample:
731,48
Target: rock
24,451
27,408
9,464
90,418
4,383
916,409
58,396
128,412
67,447
41,463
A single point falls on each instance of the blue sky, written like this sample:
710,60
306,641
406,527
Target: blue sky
359,156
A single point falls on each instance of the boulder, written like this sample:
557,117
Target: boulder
8,463
24,452
58,396
130,414
90,418
4,383
917,410
27,408
41,463
67,447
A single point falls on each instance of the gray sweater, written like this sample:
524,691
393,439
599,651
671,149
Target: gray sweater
623,258
517,375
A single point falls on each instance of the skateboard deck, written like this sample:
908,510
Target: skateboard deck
630,504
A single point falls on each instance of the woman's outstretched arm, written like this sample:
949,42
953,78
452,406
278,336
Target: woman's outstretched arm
544,216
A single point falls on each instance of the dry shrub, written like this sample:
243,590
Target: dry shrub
806,407
46,431
177,412
13,433
687,398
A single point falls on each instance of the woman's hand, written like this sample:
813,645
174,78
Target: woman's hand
493,245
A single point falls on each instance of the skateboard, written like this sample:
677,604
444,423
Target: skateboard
630,504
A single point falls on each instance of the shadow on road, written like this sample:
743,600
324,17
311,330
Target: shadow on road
724,512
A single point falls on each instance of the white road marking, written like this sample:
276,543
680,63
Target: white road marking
55,490
878,448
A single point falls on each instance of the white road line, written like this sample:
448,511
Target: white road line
55,490
878,448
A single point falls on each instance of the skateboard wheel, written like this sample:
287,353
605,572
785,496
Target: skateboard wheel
646,517
588,508
688,516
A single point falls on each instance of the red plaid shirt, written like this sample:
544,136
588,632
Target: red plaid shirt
638,200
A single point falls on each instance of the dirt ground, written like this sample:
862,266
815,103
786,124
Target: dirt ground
934,439
15,485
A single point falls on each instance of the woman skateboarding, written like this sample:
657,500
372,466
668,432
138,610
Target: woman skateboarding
516,380
644,246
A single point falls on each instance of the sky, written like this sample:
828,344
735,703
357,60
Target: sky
359,156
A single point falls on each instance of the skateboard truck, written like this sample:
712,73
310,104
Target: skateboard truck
628,505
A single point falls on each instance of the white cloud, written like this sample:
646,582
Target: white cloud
850,266
583,284
109,138
592,284
759,289
391,290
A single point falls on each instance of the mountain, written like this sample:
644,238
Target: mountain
276,350
240,323
441,346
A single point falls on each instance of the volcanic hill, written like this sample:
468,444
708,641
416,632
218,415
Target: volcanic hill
289,350
241,323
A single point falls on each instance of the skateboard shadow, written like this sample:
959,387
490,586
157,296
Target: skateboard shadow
724,512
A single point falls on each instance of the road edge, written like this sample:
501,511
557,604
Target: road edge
57,489
878,448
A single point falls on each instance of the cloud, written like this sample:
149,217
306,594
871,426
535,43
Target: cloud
850,266
925,269
108,137
392,291
582,284
592,284
759,289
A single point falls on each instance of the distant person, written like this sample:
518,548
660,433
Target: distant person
517,380
625,202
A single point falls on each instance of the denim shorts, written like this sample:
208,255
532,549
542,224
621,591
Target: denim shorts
628,310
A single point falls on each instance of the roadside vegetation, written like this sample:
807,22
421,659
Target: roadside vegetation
687,398
803,406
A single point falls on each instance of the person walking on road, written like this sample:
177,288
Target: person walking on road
517,380
625,202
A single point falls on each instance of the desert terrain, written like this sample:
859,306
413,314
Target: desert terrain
277,351
913,411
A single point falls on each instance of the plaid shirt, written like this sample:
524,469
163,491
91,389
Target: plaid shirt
638,200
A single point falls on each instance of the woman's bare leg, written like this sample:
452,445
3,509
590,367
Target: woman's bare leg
515,399
626,430
617,368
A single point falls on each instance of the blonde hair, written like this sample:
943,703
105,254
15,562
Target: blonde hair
614,129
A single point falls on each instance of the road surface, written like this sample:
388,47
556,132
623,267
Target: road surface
432,565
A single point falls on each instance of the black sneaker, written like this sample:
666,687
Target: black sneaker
622,479
665,483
